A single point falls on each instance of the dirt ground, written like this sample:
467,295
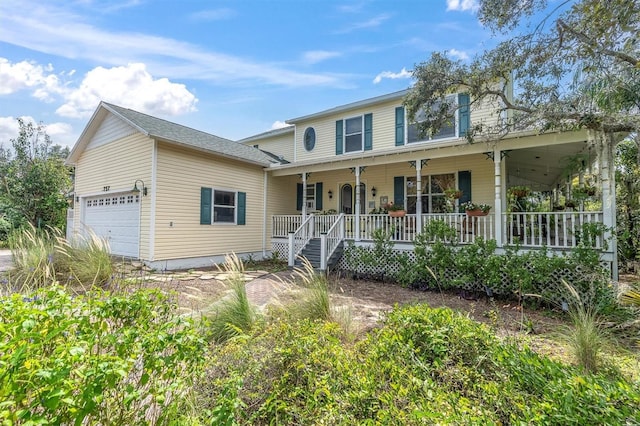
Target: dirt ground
366,300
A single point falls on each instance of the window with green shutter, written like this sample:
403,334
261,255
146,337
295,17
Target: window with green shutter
222,206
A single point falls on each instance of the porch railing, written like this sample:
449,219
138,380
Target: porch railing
531,229
330,240
299,238
551,229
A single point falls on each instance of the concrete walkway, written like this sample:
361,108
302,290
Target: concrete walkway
5,260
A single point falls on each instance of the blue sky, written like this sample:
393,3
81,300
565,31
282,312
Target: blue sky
231,68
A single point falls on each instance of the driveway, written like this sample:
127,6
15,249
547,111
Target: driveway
5,260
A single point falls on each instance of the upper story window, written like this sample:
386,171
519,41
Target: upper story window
458,125
309,139
354,134
448,130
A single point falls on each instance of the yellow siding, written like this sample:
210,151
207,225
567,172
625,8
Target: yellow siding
180,175
116,165
381,177
383,128
383,131
280,145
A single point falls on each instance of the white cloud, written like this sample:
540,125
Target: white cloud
213,14
27,75
454,53
279,125
131,86
371,23
39,30
462,5
392,75
315,56
9,128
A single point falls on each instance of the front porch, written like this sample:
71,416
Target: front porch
528,230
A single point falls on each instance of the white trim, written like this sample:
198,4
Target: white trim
265,189
152,205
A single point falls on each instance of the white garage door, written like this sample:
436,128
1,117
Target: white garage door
115,218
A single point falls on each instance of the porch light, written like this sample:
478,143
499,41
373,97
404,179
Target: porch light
330,194
373,191
137,190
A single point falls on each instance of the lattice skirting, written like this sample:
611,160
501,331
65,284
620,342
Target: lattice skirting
549,291
280,249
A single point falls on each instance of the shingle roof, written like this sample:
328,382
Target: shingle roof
158,128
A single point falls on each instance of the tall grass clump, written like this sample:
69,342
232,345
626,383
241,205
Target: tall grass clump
85,261
233,315
33,252
315,303
586,337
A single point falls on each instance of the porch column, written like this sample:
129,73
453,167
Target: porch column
357,203
418,196
497,167
304,196
605,145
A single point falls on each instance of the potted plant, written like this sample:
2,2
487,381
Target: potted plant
519,191
452,193
395,210
476,209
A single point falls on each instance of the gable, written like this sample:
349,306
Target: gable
112,128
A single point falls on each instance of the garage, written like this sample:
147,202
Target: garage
115,218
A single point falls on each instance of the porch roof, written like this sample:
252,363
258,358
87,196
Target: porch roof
533,159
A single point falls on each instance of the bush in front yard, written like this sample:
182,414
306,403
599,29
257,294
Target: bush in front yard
423,366
94,359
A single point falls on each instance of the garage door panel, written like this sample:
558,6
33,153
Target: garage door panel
117,220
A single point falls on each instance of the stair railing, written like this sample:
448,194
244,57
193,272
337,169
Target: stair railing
330,241
300,238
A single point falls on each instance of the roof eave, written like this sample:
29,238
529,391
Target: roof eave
359,104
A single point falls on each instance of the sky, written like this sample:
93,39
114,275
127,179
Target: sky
233,68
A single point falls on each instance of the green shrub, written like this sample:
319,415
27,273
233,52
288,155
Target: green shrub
87,261
33,258
94,359
423,366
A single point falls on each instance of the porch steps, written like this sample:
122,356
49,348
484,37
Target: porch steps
312,252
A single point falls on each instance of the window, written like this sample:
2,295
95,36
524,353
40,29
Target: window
448,130
222,206
310,196
433,199
353,134
309,138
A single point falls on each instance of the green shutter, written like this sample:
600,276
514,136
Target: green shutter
299,193
464,113
242,208
464,185
399,126
368,132
205,206
319,196
339,137
398,190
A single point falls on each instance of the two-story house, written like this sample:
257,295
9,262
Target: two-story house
322,179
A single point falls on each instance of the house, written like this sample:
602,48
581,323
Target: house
200,196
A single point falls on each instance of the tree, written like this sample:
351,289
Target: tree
576,66
628,190
33,179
